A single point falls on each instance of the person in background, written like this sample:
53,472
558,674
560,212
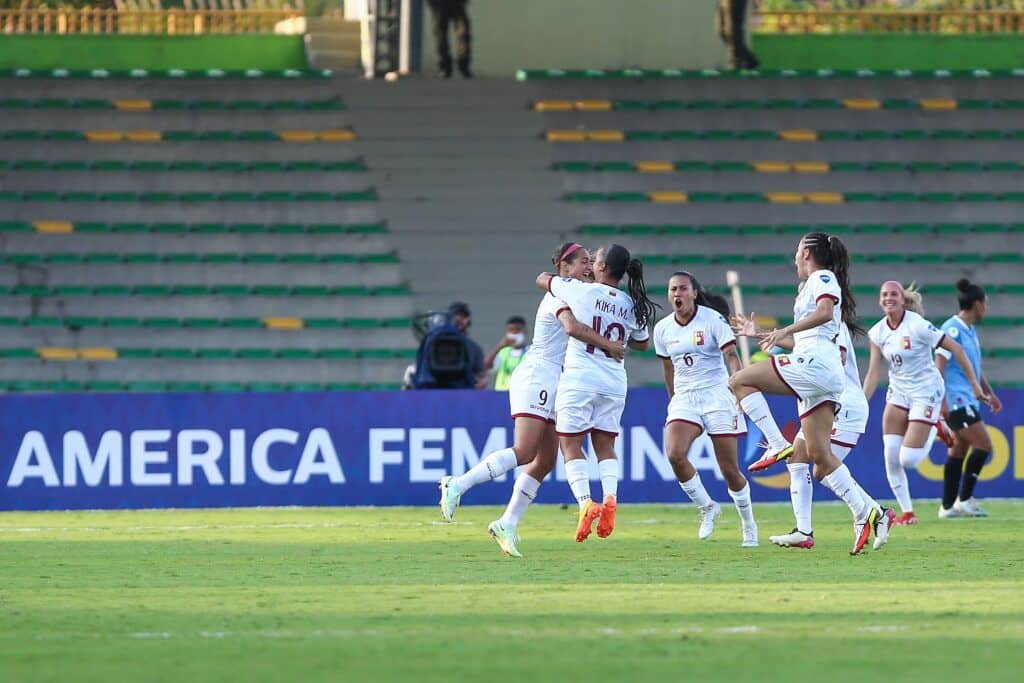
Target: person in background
731,19
508,353
462,318
447,12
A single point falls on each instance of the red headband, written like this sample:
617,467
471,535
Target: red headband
568,252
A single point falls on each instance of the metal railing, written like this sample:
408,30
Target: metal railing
155,22
889,22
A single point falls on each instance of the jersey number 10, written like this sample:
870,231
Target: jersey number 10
614,332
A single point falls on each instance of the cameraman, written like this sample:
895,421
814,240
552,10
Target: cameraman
447,358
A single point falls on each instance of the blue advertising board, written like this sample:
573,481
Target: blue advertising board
375,448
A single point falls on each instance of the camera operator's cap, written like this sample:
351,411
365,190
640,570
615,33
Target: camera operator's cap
459,307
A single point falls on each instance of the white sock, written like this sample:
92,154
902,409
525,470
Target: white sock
801,493
491,467
757,410
577,473
910,458
842,484
895,473
741,499
694,488
523,493
868,500
609,471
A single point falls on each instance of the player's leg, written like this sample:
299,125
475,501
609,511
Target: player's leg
952,471
749,385
801,494
726,453
608,468
504,530
680,434
894,426
976,436
916,441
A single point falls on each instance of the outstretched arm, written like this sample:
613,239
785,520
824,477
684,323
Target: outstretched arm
577,330
961,358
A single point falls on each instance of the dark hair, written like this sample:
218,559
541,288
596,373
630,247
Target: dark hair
559,254
620,262
516,320
968,293
828,251
703,298
720,304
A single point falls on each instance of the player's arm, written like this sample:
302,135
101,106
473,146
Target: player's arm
995,404
732,359
544,281
965,364
786,343
577,330
639,345
821,315
941,361
670,375
874,371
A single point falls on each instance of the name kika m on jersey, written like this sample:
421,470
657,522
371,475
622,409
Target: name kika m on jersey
605,306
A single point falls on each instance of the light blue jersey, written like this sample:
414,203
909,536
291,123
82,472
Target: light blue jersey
958,389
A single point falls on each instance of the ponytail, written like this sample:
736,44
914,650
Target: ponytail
829,252
644,310
912,299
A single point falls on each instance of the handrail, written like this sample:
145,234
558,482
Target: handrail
157,22
861,21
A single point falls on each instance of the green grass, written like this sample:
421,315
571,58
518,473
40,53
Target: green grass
392,595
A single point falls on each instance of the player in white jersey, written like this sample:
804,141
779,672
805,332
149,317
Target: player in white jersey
913,402
592,389
695,344
813,373
532,391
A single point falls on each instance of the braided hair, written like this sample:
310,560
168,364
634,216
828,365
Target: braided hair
829,252
620,263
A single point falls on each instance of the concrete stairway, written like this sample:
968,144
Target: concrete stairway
332,43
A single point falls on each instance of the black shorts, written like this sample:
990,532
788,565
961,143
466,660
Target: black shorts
962,418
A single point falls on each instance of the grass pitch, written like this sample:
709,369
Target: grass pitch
394,595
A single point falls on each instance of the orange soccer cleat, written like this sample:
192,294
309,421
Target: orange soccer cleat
944,433
590,512
606,525
906,519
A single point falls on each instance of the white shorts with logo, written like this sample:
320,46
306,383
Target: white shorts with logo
815,378
532,390
923,405
583,411
713,409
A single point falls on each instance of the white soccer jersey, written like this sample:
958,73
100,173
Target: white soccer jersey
609,312
695,348
549,337
908,349
850,366
821,283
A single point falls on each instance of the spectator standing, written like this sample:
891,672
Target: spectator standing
731,18
451,12
508,353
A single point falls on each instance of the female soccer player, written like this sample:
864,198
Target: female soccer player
695,343
964,411
814,374
532,391
906,341
592,389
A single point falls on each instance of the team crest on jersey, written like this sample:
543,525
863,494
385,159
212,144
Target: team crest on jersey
698,338
953,332
826,279
906,343
783,360
928,413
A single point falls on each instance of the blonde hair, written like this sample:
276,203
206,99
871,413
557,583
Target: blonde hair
912,299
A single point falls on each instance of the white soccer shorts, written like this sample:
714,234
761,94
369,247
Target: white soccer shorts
581,412
713,409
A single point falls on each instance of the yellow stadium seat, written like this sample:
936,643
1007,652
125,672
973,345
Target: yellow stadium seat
143,136
606,136
938,104
811,167
133,105
339,135
668,197
56,353
771,166
784,197
565,136
654,166
552,105
593,105
97,353
798,135
104,135
54,227
866,103
283,323
824,197
297,135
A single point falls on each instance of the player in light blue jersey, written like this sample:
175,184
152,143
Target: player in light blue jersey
964,411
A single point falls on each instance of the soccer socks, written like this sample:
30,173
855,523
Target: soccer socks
757,410
741,499
895,473
523,493
801,493
577,472
694,488
975,461
910,458
951,472
609,471
491,467
842,484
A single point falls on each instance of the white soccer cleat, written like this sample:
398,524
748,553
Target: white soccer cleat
883,525
794,539
969,508
450,497
749,536
507,539
708,516
950,513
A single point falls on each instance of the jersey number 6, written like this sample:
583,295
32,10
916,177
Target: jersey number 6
615,332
